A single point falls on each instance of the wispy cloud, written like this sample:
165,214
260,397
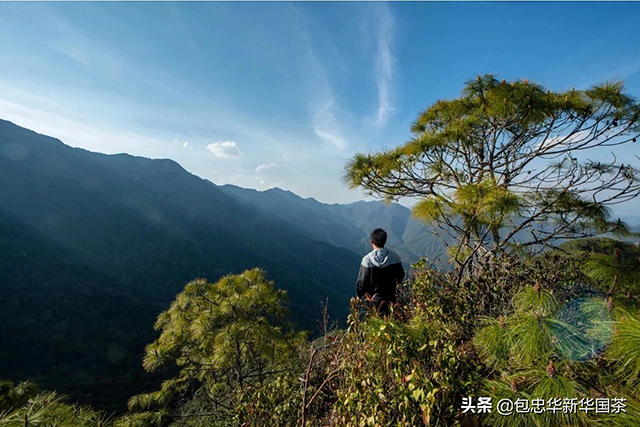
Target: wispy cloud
76,51
226,149
334,139
94,115
326,127
321,98
265,167
385,63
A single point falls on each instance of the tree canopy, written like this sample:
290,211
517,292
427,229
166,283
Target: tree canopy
504,166
226,338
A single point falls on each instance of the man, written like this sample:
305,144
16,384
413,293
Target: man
380,272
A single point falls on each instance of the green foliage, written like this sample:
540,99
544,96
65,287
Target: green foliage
502,389
540,386
469,164
554,386
556,343
620,268
630,419
530,334
155,418
404,374
237,362
535,300
276,403
531,338
23,405
230,342
12,396
491,343
625,348
490,291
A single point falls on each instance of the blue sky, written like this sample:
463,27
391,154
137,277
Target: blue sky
282,94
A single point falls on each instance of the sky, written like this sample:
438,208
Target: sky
283,94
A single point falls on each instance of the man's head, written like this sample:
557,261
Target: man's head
378,238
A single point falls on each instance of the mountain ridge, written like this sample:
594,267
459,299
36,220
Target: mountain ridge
146,226
408,236
111,239
154,202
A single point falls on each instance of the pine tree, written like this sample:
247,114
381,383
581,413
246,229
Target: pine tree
23,405
550,348
498,169
229,340
616,267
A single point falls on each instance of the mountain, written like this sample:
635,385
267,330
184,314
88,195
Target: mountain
155,226
94,246
634,227
119,236
307,216
347,225
632,220
67,326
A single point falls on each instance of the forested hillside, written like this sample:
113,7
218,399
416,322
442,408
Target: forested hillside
118,236
154,226
68,326
110,240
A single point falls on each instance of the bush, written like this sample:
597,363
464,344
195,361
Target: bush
23,405
403,372
530,329
552,347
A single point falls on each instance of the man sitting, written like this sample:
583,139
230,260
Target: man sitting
380,272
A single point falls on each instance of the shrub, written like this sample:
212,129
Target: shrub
552,346
402,373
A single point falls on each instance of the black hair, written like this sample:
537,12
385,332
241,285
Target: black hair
379,237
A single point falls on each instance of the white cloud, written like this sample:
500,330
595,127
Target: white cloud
226,149
265,167
384,66
186,144
334,139
325,126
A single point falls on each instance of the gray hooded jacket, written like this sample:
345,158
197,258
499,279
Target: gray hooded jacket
380,272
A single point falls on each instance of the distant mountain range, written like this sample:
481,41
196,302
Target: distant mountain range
94,246
343,225
632,221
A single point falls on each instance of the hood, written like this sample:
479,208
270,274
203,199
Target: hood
380,258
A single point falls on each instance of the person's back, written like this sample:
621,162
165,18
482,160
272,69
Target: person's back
380,272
